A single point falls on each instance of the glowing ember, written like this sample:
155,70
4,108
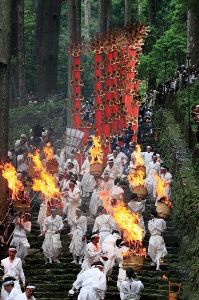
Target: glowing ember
44,182
166,201
160,186
127,221
48,151
136,250
96,151
165,277
137,177
14,184
137,155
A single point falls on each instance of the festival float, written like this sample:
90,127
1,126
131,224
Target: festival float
96,162
137,176
19,198
163,203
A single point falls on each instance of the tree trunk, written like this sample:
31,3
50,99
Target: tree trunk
104,16
78,19
193,35
87,17
127,12
21,53
152,11
72,39
5,49
47,46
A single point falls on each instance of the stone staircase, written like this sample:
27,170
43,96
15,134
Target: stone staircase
54,281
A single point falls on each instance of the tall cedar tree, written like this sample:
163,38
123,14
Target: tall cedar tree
5,52
21,52
74,37
104,15
127,12
47,46
152,19
193,34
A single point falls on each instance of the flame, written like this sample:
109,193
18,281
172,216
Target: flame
160,186
127,221
14,184
137,155
96,151
44,182
48,151
137,250
137,177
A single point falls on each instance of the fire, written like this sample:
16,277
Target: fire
137,155
48,151
127,221
14,184
165,277
135,250
44,182
96,151
137,177
160,186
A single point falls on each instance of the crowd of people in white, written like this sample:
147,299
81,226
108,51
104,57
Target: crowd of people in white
98,255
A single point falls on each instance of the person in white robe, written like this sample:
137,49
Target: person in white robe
152,166
131,288
167,178
109,250
104,224
95,200
74,161
51,246
117,192
73,200
28,294
92,283
157,248
107,183
92,252
11,290
78,236
59,158
42,215
147,155
22,228
12,267
69,168
88,181
121,250
22,162
113,170
116,159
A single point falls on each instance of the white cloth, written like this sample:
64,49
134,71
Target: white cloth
23,297
88,181
93,283
20,239
75,163
22,164
109,249
14,293
151,168
12,269
117,192
147,156
42,215
72,202
79,228
113,172
104,224
52,244
156,248
92,254
119,257
95,201
167,177
131,289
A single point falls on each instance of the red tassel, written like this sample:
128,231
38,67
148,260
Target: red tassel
76,75
76,120
76,60
98,86
107,111
98,116
98,58
106,129
77,104
76,90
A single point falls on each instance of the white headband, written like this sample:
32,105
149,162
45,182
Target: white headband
10,282
31,287
12,249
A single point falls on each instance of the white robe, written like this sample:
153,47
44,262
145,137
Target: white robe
117,192
151,167
12,269
23,297
19,239
119,257
167,177
14,293
42,215
109,249
93,283
156,249
131,289
52,244
72,201
92,254
95,201
104,224
147,156
113,172
88,181
79,228
75,163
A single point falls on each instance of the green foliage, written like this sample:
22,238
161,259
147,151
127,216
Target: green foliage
185,193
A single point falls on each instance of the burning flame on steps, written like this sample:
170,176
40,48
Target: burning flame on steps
14,184
48,151
126,220
96,151
160,186
137,155
44,182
